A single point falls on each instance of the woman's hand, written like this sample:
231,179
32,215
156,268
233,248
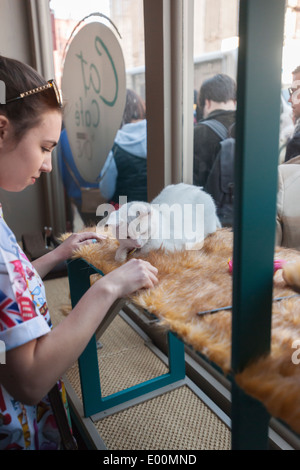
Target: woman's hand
65,250
75,241
134,275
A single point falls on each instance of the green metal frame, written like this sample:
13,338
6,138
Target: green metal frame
257,128
79,272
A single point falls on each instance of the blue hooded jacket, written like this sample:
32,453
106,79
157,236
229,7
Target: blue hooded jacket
125,169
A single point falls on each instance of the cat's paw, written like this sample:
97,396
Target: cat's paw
291,274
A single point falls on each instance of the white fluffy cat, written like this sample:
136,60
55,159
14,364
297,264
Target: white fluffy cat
179,218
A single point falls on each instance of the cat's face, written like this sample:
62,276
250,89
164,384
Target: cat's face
131,225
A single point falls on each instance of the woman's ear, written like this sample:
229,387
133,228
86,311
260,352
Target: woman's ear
4,125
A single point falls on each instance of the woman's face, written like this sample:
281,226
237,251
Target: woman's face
22,164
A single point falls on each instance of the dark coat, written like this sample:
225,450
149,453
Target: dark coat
132,176
206,145
293,147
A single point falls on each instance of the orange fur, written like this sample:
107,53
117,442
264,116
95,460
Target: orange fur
193,281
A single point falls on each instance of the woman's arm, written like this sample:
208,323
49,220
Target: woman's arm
45,263
32,369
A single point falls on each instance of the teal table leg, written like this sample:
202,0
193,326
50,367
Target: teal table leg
79,278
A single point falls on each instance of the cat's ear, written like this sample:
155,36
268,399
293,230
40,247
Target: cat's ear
146,210
113,219
139,209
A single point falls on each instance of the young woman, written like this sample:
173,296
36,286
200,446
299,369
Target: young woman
37,354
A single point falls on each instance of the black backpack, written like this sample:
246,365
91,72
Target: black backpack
220,181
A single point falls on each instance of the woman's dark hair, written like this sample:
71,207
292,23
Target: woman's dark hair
134,108
220,88
24,113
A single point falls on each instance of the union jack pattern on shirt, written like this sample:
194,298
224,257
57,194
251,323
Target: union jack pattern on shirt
9,312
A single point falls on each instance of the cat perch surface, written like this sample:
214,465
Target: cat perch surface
195,281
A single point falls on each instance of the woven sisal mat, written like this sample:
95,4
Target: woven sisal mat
195,281
173,421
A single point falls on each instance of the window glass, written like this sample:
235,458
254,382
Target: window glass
215,41
94,123
290,61
127,16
